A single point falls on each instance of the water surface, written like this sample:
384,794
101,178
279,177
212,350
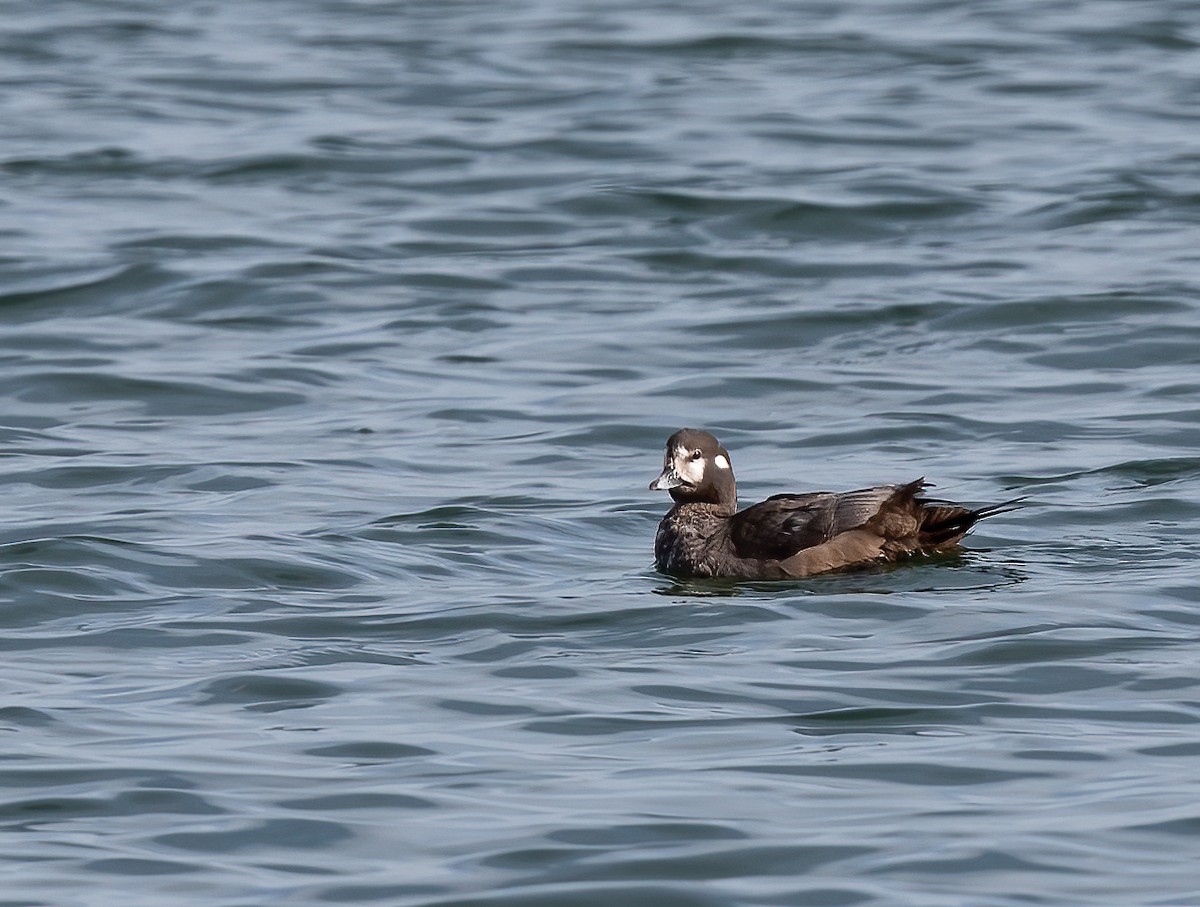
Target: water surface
339,343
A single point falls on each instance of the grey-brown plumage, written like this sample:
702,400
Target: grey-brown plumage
790,535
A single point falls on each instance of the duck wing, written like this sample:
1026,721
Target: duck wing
785,524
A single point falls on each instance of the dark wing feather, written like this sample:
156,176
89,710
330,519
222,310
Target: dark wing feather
854,508
787,523
782,525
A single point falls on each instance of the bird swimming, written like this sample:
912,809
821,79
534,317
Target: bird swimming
789,536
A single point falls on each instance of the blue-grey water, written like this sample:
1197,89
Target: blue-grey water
338,343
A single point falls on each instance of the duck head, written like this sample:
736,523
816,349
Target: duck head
697,469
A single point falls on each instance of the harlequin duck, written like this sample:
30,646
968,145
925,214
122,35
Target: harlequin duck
790,535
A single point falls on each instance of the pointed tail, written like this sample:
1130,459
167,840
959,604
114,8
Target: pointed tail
943,523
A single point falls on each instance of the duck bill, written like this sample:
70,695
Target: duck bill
668,480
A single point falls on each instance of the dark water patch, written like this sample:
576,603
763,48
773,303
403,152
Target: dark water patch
313,168
1030,645
534,858
790,329
988,861
152,397
129,866
650,833
355,894
500,224
189,244
18,715
843,721
115,632
245,304
267,693
1151,473
374,801
302,834
444,281
1059,756
1019,315
842,135
1105,355
112,161
128,803
728,265
230,484
745,388
95,477
1160,684
367,752
1173,749
538,672
582,147
722,44
69,287
1073,389
1187,827
593,894
1061,87
923,774
573,278
604,725
1113,717
71,776
478,708
739,216
1144,473
346,349
719,863
62,577
1165,33
275,573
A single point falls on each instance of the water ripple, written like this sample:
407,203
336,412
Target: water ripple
341,346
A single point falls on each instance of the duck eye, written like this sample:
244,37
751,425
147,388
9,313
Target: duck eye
696,454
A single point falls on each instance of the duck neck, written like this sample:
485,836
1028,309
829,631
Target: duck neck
719,501
727,497
726,507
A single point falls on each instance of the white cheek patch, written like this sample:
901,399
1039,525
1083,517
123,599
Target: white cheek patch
691,471
721,462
